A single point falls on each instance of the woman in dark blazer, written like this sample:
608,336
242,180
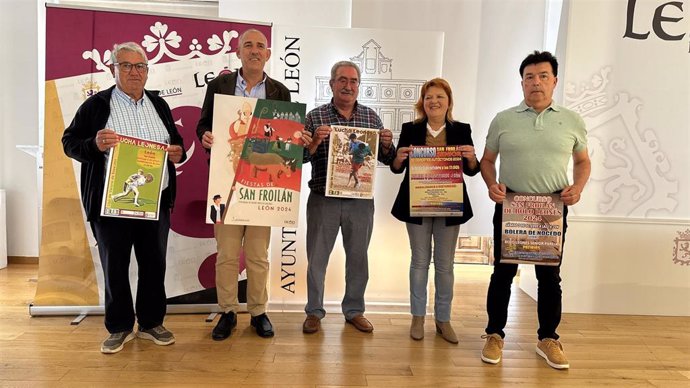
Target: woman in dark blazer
433,127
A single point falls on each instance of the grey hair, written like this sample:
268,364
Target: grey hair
244,34
127,46
340,64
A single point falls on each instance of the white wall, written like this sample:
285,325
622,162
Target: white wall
190,7
313,13
3,231
19,121
620,266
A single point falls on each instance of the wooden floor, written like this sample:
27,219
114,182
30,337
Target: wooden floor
604,350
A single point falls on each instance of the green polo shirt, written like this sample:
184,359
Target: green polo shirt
535,148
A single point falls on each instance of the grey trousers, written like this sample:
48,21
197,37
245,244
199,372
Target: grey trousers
325,217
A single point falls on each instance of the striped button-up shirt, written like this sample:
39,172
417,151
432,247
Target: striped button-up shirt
327,114
137,119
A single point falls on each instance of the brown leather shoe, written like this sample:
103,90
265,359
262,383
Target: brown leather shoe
360,323
311,325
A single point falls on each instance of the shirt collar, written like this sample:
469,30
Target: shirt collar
523,107
435,132
355,108
124,97
241,81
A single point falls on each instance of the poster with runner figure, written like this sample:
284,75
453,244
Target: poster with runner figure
352,155
134,179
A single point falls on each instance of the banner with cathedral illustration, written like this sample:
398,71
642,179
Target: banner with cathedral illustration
391,80
184,54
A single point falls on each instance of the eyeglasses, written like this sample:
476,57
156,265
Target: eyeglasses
127,67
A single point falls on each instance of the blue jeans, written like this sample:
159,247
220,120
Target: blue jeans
326,216
445,239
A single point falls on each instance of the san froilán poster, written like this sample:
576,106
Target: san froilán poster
256,162
134,178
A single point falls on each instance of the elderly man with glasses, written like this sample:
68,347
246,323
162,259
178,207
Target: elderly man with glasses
127,109
328,215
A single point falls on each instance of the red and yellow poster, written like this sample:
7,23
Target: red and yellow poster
256,162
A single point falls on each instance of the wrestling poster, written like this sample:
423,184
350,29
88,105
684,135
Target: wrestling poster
256,162
436,182
352,155
532,231
134,179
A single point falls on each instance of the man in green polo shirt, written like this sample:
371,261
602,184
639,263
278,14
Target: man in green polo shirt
536,140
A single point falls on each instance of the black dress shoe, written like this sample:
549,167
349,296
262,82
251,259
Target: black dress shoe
223,329
262,325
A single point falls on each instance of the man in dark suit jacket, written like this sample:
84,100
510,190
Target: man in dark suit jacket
217,210
249,81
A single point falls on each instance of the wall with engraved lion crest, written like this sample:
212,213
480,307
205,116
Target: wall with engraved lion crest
626,71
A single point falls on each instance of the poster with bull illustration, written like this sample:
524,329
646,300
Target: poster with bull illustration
256,162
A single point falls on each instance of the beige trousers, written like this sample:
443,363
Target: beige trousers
254,240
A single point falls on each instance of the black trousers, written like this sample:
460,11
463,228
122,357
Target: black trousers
115,238
549,303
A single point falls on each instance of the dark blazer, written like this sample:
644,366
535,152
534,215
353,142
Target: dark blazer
414,133
79,144
225,84
214,216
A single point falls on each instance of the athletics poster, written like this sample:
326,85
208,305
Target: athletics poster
532,231
436,182
134,179
256,162
352,155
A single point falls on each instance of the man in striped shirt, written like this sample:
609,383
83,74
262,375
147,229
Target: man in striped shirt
327,215
127,109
